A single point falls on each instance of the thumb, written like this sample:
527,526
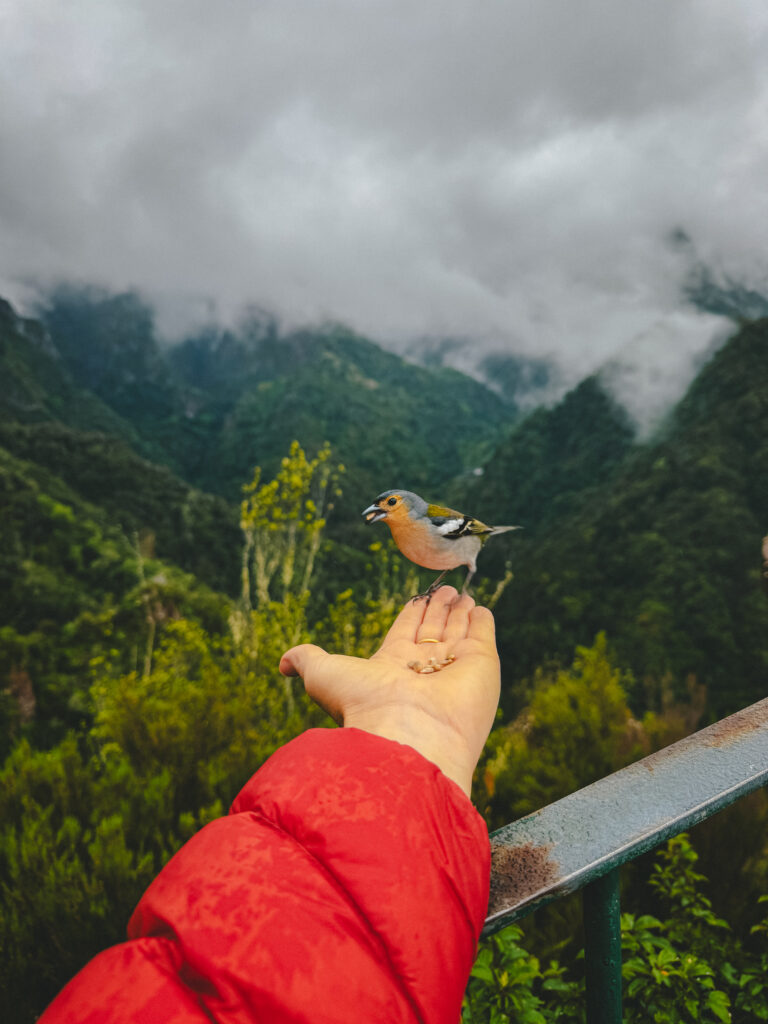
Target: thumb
301,660
309,661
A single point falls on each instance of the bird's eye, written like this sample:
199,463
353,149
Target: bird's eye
392,501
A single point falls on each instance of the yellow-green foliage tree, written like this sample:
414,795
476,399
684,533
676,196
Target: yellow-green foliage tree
282,522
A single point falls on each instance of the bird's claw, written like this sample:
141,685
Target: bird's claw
428,593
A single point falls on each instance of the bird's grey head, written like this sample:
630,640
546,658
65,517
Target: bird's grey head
394,502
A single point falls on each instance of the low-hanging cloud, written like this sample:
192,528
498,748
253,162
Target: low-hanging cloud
507,173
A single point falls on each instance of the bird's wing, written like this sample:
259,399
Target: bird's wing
454,524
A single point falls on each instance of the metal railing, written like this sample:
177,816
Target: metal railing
580,842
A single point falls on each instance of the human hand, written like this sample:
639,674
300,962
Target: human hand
445,715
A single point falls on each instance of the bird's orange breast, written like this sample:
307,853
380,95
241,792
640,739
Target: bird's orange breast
418,541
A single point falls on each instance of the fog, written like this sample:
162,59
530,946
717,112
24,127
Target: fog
506,174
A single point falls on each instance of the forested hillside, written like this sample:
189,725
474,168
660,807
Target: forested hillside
37,387
149,581
665,554
219,403
554,460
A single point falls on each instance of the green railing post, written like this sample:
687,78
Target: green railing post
602,949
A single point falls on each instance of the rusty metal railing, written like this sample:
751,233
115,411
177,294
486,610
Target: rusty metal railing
580,842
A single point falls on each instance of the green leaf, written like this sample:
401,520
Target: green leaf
482,972
719,1003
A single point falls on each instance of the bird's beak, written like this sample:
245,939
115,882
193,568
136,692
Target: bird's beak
373,514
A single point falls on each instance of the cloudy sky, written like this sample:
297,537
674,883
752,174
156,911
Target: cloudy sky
504,172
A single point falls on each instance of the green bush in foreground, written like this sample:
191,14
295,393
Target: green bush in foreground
686,968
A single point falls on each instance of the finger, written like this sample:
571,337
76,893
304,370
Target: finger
436,615
301,660
457,624
406,624
482,626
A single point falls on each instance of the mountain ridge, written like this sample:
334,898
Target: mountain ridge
225,401
666,556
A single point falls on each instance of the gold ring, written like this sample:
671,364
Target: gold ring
429,640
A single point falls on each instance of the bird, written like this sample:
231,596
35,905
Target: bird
432,536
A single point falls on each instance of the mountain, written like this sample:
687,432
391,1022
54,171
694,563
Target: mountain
144,431
553,460
725,296
107,344
386,419
199,532
64,427
74,588
656,542
108,439
714,291
522,381
223,401
131,699
95,538
38,387
664,553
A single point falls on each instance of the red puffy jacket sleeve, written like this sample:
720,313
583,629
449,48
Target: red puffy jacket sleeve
348,883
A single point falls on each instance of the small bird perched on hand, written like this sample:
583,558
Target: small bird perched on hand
431,535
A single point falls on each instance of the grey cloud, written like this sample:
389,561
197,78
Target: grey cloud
507,173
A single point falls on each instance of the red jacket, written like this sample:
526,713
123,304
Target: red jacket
348,883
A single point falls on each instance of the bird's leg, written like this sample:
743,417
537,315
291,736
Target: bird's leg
467,580
431,588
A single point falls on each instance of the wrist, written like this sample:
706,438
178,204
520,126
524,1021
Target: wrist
435,740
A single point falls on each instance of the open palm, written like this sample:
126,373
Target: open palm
446,715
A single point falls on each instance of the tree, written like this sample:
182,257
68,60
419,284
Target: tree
282,522
577,728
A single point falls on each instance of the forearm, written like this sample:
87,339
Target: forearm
349,873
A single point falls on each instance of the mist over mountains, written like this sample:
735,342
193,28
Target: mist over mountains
647,372
524,196
654,537
218,402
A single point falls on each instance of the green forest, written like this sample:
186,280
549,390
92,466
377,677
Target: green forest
174,518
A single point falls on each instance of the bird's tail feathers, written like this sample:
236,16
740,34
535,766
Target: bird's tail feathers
504,529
